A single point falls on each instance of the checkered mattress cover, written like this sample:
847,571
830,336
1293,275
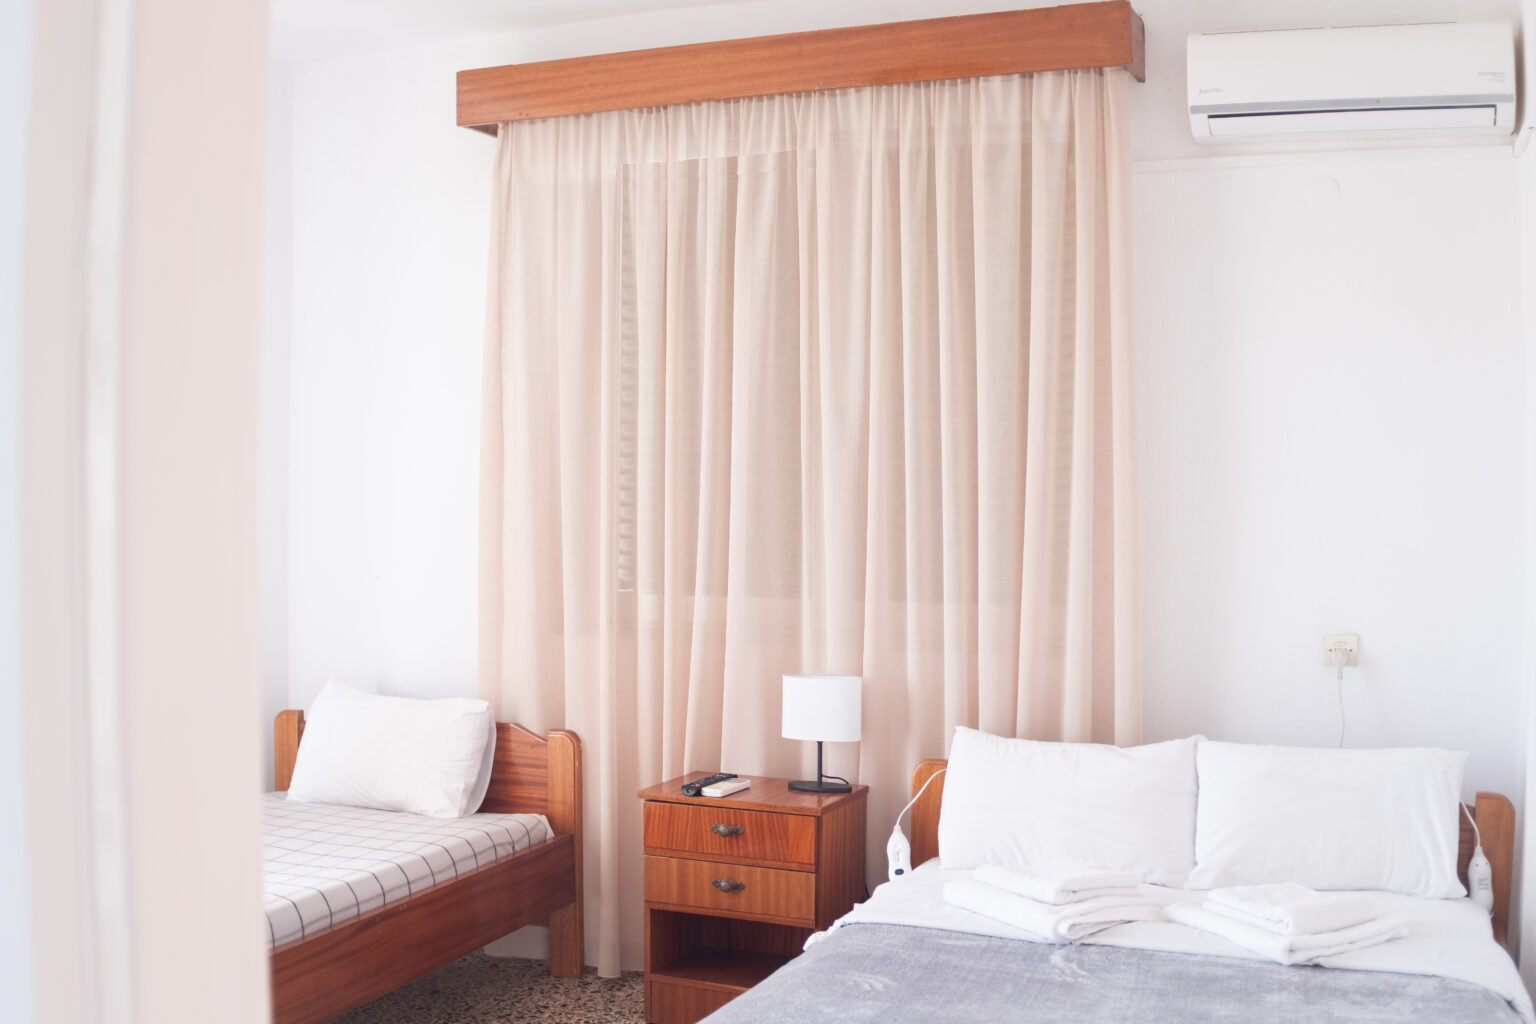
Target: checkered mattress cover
326,864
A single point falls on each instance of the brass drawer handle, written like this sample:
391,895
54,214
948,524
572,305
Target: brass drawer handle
728,884
727,830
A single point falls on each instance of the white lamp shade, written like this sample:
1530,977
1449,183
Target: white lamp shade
825,708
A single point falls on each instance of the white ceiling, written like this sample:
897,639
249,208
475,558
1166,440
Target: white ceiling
309,30
306,30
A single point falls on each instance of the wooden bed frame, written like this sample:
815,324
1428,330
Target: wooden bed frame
352,963
1494,813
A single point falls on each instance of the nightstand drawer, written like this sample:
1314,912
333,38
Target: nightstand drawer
788,896
717,830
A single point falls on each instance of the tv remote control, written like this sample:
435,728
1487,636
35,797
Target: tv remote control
696,787
730,786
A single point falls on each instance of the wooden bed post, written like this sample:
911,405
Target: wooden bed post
567,945
286,730
925,813
1496,822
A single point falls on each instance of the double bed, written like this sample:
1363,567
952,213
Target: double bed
416,893
907,956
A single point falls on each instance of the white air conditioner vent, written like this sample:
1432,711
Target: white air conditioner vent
1447,79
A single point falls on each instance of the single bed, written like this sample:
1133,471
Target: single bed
481,881
899,958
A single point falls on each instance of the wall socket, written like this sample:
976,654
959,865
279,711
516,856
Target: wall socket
1348,642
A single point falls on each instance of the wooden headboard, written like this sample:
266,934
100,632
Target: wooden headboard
1494,813
531,774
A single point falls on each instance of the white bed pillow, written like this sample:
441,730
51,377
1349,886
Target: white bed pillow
430,757
1329,819
1020,802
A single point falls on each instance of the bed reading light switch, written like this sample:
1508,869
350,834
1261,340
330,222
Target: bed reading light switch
1349,643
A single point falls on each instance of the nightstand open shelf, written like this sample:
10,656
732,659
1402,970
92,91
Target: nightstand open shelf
733,887
722,968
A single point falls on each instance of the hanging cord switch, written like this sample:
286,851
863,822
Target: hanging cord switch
1479,871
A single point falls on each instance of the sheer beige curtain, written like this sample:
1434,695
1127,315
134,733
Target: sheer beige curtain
837,382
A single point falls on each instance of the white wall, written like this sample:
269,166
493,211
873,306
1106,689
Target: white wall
390,212
1331,393
1332,401
277,328
1526,811
15,903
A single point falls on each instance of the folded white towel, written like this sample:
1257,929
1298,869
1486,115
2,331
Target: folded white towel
1069,923
1286,908
1289,949
1058,882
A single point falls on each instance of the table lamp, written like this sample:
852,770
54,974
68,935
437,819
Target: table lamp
826,709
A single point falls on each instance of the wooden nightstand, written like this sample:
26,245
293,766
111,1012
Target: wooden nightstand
734,885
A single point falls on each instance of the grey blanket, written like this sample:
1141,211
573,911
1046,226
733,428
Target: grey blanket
899,975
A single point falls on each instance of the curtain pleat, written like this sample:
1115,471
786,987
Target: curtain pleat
836,382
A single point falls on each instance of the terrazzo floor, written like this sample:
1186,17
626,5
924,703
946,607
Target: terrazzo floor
494,990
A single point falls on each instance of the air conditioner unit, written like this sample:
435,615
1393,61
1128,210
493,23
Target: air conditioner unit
1450,79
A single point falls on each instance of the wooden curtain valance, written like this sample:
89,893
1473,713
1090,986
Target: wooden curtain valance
1087,35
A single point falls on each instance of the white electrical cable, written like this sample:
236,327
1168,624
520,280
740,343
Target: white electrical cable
919,795
1477,837
1341,716
1479,871
1338,663
898,852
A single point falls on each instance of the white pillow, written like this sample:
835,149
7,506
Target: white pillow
1020,802
429,757
1329,819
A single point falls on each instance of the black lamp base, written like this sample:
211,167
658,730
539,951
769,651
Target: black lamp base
820,786
820,783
